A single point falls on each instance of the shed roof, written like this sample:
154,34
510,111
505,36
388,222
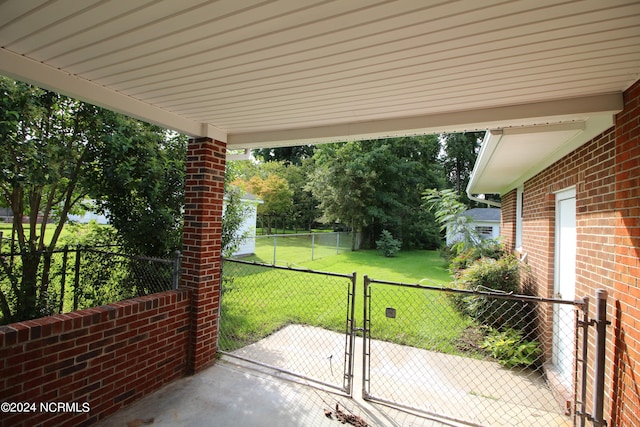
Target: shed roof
484,214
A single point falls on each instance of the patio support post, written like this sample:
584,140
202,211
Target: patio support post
201,256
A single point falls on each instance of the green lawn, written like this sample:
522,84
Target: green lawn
295,250
259,301
6,227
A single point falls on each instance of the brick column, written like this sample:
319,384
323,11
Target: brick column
201,262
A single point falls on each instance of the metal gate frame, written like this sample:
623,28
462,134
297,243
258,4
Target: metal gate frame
349,334
580,364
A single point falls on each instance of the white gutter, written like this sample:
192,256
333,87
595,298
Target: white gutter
479,200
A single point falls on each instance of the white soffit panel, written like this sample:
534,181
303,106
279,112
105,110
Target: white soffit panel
286,72
510,156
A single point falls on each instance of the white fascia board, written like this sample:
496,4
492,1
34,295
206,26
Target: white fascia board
458,121
27,70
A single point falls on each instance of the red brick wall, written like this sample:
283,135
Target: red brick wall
625,296
107,357
201,261
606,174
508,219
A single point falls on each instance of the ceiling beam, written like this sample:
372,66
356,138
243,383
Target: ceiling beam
531,114
27,70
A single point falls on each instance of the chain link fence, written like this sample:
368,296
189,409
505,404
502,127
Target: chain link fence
292,320
482,358
292,249
71,279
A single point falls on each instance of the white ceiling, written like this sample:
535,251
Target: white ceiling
288,72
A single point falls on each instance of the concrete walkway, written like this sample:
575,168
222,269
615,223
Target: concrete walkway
229,394
235,393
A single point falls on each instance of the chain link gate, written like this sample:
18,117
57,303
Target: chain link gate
480,358
266,313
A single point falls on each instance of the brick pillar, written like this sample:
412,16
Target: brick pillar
201,262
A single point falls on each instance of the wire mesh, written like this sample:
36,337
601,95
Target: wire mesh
295,321
292,249
76,278
482,358
106,276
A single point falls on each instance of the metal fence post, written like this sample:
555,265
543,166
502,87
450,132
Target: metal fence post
76,280
177,259
584,325
366,337
313,241
275,244
63,278
598,374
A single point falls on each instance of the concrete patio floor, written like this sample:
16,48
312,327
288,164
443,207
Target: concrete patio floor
229,394
234,392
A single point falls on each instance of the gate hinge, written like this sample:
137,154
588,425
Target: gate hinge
590,417
593,322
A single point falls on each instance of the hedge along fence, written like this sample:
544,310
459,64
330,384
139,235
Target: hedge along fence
92,361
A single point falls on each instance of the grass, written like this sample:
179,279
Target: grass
6,227
299,249
259,301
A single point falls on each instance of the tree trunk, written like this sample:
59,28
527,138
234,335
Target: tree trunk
26,305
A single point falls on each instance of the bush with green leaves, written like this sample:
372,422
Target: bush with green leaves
388,245
461,260
491,275
511,348
501,274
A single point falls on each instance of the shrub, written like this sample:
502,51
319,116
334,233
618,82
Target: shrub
493,274
461,260
511,349
501,275
387,244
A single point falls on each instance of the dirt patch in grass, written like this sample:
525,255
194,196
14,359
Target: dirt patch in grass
470,340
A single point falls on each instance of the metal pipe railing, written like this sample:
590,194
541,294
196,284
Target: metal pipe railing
599,368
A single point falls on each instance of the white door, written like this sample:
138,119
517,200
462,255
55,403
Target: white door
565,284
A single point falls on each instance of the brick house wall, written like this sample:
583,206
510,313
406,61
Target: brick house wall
625,297
107,357
606,175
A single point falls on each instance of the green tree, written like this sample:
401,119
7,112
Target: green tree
459,156
47,143
343,185
275,194
376,185
449,212
303,211
289,155
138,183
304,208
